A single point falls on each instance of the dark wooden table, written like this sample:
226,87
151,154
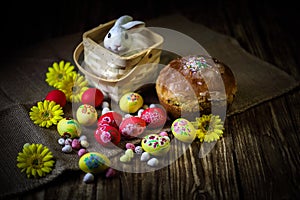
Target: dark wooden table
259,157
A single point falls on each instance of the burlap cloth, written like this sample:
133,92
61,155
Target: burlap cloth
23,85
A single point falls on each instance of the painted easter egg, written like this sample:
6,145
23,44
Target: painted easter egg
132,127
112,118
107,135
155,117
183,130
93,162
156,145
86,115
68,127
57,96
131,102
93,97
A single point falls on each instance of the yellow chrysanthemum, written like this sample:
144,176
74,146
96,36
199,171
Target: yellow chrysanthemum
58,72
46,113
35,160
209,128
73,86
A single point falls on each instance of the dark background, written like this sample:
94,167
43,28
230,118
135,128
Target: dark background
24,23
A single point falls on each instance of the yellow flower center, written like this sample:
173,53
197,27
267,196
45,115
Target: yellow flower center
46,115
75,89
36,162
60,76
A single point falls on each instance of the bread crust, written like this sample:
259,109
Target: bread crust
193,85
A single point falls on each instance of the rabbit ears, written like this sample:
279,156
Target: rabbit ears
126,22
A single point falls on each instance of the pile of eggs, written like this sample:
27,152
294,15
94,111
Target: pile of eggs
111,126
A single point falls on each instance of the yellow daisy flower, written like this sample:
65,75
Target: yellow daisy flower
46,113
209,128
58,71
73,86
35,160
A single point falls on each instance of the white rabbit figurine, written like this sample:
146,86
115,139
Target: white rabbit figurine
118,39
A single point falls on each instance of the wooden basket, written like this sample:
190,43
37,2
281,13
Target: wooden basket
114,74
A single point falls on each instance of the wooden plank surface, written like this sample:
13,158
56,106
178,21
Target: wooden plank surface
258,158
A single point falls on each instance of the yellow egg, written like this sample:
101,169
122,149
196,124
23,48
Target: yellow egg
86,115
183,130
156,145
69,127
93,162
131,102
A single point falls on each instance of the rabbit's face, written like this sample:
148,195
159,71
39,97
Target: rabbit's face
118,41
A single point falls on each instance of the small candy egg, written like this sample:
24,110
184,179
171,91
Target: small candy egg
69,127
82,137
107,135
132,127
93,162
183,130
84,143
156,145
76,144
125,158
92,96
130,146
88,178
110,173
145,156
68,141
129,153
163,133
138,150
127,116
152,105
153,162
155,117
105,110
86,115
140,111
105,104
57,96
81,152
111,118
131,102
61,141
67,149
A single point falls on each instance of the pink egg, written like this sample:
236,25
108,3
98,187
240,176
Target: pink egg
132,127
155,117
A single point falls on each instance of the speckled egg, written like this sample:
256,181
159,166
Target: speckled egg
107,135
111,118
86,115
155,117
131,102
93,162
183,130
69,127
156,145
132,127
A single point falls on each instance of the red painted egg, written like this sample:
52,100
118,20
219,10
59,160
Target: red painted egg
112,118
155,117
93,97
132,127
57,96
107,135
